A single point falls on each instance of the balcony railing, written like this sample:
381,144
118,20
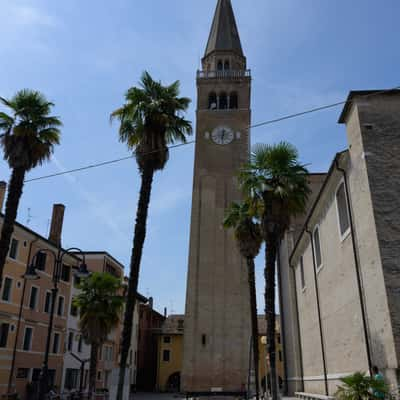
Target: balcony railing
231,74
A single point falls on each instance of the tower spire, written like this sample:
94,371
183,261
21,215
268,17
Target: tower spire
224,34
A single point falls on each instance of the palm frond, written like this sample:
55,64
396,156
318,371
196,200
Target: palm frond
151,119
31,133
275,178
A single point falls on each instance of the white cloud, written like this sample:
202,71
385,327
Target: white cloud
24,27
29,16
22,15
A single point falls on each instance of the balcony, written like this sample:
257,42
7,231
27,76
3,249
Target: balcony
231,74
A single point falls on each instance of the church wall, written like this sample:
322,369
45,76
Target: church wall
290,328
340,309
372,130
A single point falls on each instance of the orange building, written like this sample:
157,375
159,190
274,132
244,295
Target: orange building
25,311
25,308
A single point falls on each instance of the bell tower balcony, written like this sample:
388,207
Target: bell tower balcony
222,75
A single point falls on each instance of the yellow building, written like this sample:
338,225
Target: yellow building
170,353
264,369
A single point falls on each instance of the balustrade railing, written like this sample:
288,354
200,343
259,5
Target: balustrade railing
230,74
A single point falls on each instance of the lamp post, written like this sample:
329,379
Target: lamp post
82,362
31,274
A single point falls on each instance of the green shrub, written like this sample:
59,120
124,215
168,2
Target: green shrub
359,386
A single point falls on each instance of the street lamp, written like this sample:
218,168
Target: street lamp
82,362
31,274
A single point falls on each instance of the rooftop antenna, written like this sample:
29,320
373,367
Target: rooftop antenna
29,216
48,227
199,56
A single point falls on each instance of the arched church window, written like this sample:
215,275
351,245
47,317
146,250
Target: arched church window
223,101
212,101
227,66
233,100
220,66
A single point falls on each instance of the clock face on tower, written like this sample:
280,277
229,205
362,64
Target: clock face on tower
222,135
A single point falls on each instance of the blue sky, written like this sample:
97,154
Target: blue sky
84,54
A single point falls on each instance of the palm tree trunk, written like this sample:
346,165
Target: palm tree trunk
269,274
136,256
254,321
13,197
93,369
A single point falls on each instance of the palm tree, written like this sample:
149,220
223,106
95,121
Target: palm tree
27,135
100,304
279,184
249,239
359,386
150,119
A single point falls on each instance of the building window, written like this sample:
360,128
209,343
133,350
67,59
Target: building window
233,100
80,344
74,309
22,373
108,353
227,65
41,258
223,101
47,302
343,210
111,270
203,340
317,247
77,281
13,249
280,356
278,338
7,285
36,374
51,374
180,324
212,101
167,339
302,277
99,374
166,355
56,343
66,273
33,299
71,378
60,308
70,341
27,339
4,329
220,66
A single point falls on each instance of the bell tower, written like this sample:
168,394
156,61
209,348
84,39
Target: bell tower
217,320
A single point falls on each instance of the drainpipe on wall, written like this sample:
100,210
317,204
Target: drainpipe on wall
319,314
298,329
357,266
285,382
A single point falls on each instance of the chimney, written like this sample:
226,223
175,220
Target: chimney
56,226
3,187
151,301
165,312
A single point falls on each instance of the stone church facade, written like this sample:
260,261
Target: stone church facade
340,264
